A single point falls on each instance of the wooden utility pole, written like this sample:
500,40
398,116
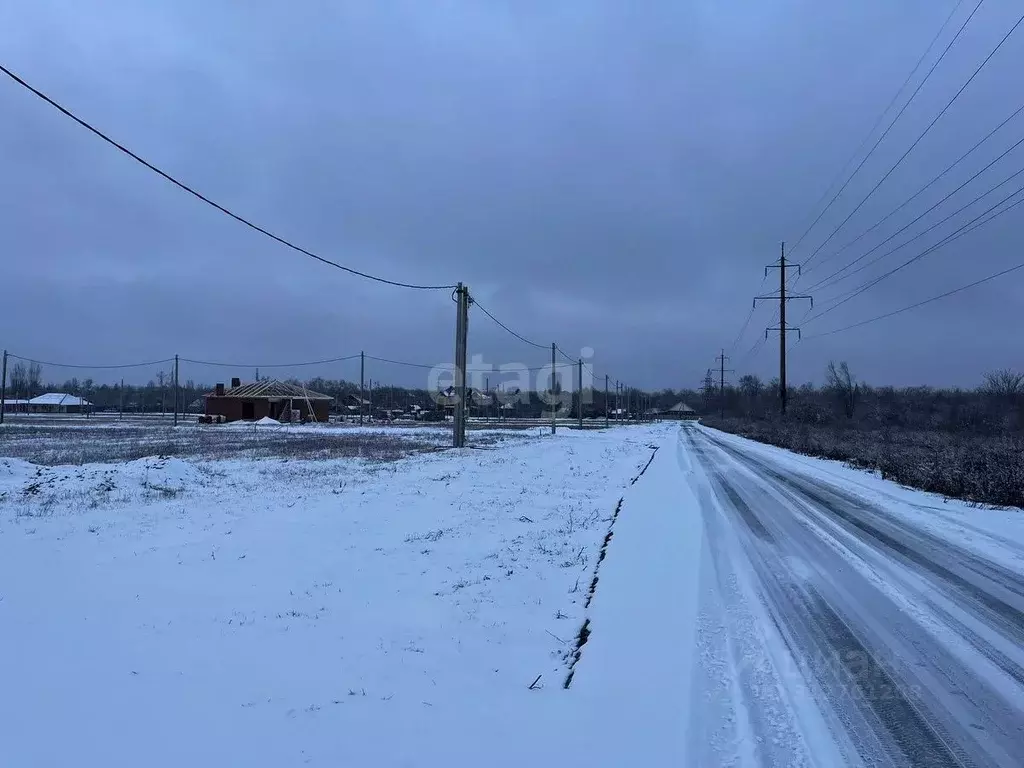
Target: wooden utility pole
362,385
461,340
606,401
579,392
551,393
120,402
721,381
175,390
782,298
3,388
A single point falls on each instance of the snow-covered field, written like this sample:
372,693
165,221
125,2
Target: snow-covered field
751,608
76,440
169,611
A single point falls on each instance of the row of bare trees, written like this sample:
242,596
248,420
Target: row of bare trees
24,381
995,406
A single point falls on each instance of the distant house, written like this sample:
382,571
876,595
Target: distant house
10,406
679,411
267,397
474,399
58,402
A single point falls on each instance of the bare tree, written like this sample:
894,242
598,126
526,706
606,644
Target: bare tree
161,378
34,379
19,380
751,387
1004,384
708,390
841,383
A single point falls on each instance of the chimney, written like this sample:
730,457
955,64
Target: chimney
220,390
236,383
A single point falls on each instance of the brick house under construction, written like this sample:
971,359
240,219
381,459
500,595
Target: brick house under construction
267,398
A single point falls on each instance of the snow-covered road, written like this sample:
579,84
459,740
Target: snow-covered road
842,620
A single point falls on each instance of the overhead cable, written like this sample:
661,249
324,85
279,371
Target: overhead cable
918,139
955,235
885,111
919,192
838,277
92,367
921,303
185,187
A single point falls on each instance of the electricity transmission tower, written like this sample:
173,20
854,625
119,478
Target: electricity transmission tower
722,370
782,298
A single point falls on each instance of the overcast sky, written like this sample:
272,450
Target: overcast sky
603,174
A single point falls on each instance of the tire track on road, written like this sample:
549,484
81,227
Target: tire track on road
1001,592
829,644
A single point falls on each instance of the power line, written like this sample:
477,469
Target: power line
752,352
544,367
739,336
920,137
271,365
759,342
919,192
181,185
92,367
401,362
523,339
955,235
886,110
922,303
835,276
519,336
750,316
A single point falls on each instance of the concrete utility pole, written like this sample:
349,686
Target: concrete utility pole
120,402
782,298
362,386
554,378
461,341
606,401
579,391
721,381
175,390
3,388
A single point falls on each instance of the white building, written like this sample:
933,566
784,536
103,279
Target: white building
58,402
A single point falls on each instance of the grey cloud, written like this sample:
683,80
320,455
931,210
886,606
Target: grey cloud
612,175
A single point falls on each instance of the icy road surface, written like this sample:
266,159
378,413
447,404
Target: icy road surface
844,620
